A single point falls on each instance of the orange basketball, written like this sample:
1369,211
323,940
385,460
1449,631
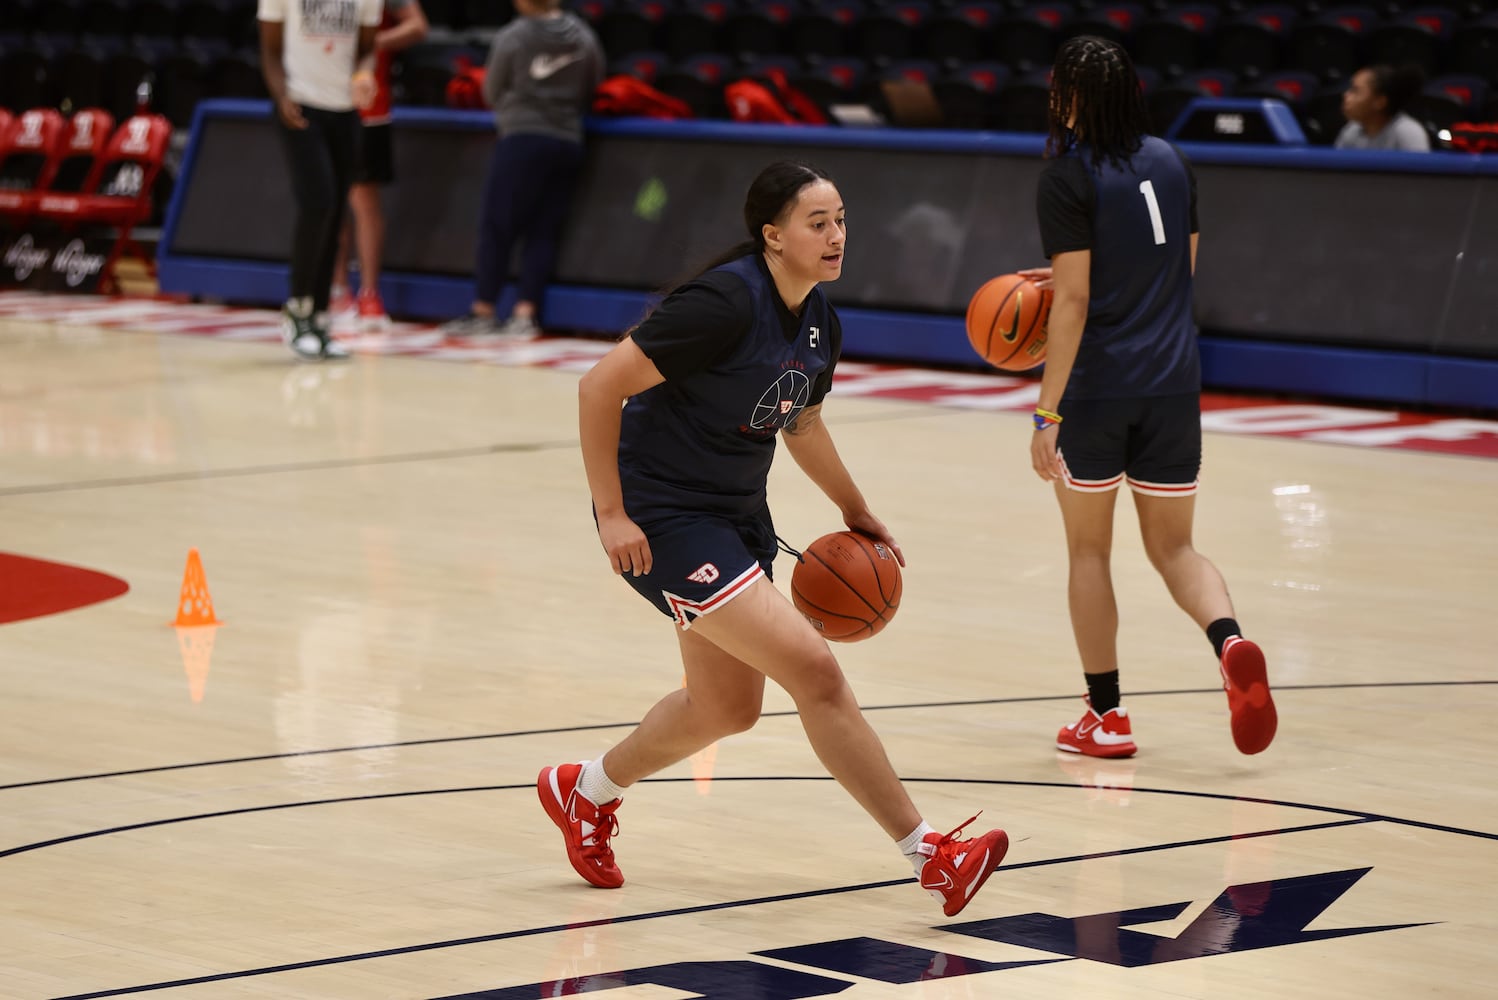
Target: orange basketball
847,585
1006,322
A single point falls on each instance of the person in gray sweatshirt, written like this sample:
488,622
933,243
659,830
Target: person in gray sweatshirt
543,68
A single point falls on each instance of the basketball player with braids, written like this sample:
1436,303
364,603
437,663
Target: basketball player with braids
678,426
1120,398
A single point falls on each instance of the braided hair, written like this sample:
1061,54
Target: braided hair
1094,80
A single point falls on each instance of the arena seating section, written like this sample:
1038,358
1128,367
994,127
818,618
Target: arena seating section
985,60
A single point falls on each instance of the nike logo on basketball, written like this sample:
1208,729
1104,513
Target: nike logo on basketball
544,66
1019,307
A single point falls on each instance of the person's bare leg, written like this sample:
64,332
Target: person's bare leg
1196,585
1088,518
763,630
1165,524
722,696
369,219
340,263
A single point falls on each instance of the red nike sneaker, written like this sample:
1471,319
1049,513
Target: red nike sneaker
1247,684
1106,735
585,827
956,869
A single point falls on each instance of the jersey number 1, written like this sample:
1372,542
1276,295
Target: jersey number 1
1147,188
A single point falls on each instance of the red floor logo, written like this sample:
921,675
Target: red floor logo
31,588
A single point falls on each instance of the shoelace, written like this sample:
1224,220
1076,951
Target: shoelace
934,851
596,844
952,837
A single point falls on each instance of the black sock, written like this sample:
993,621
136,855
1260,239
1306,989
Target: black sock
1102,691
1220,631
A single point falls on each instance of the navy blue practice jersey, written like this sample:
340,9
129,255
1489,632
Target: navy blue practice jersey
739,366
1137,220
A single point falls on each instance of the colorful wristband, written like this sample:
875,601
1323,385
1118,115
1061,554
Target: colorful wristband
1045,418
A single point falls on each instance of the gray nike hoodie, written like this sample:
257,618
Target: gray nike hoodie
541,75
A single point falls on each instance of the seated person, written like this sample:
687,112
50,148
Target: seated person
1373,105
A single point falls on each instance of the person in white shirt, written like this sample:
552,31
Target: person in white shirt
318,60
1374,107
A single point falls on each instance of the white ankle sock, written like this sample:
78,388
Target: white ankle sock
909,844
595,786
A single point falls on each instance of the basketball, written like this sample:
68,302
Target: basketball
847,585
1006,322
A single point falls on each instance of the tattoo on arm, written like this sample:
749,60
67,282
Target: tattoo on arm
805,421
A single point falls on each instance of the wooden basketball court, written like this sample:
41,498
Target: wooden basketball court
331,793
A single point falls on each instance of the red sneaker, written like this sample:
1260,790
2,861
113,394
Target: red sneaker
1247,684
956,869
585,827
1106,735
372,310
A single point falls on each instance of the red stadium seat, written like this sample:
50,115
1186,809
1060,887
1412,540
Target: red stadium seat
89,132
31,147
118,194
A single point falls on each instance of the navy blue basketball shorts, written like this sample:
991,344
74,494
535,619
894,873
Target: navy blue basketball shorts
700,562
1154,443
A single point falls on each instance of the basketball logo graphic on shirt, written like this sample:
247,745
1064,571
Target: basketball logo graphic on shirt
781,401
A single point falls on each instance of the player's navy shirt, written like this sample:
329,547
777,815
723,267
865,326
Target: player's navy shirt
1140,339
739,366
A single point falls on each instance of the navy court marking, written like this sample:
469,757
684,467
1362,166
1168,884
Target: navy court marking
1354,818
437,740
1356,815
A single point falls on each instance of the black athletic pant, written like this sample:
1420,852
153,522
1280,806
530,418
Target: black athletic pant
322,157
530,187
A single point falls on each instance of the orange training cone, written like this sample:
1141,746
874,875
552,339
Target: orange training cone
195,607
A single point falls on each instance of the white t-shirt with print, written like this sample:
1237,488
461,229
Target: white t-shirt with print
321,46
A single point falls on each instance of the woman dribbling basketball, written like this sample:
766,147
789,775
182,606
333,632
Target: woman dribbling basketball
1120,398
678,425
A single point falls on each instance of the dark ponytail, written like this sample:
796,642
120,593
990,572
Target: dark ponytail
775,189
771,193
